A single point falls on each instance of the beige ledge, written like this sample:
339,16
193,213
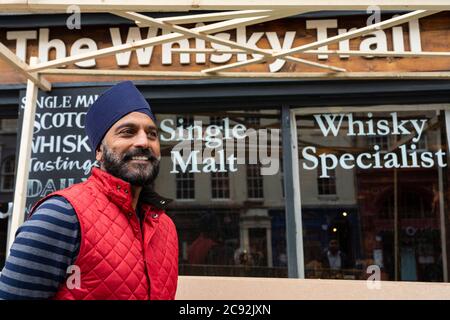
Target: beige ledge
231,288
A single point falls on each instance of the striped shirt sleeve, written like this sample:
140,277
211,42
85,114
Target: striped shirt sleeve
45,245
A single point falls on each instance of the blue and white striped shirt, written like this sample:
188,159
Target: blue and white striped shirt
44,247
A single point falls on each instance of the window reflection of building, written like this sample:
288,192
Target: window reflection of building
251,220
185,185
256,234
327,186
328,204
220,185
362,214
7,174
8,143
254,182
418,226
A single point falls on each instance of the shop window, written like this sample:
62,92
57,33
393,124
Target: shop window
185,185
255,181
220,185
392,198
222,230
326,186
8,174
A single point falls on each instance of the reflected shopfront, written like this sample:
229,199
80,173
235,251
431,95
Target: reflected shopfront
373,191
229,214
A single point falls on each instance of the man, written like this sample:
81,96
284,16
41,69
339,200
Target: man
334,258
201,247
111,231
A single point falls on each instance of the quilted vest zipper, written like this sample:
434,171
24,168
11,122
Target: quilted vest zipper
134,218
141,235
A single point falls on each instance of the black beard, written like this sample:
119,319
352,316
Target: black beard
139,175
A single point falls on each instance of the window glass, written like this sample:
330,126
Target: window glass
234,221
387,174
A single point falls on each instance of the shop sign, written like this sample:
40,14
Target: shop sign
405,155
221,147
276,39
60,152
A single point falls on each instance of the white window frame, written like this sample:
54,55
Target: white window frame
179,177
229,187
254,178
327,182
3,174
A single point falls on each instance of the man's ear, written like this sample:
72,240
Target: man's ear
98,154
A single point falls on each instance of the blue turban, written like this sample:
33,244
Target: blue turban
110,107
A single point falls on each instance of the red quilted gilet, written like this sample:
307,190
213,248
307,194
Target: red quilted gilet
118,259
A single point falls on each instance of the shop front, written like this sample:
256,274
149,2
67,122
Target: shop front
319,178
